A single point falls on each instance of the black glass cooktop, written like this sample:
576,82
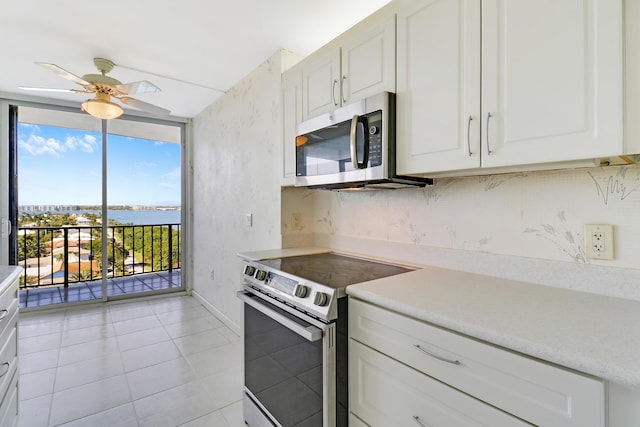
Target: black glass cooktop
334,270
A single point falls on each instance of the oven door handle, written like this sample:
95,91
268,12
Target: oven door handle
310,333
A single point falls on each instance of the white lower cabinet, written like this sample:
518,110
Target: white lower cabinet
388,393
399,365
9,354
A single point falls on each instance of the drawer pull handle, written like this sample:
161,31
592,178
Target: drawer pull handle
417,420
6,370
435,356
489,152
3,314
469,136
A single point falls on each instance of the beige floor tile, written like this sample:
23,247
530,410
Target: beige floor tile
120,416
121,313
215,360
142,338
39,343
192,326
35,412
200,341
225,387
88,350
163,376
36,384
149,355
74,320
140,324
175,316
216,419
233,414
88,334
28,329
174,406
79,402
39,361
88,371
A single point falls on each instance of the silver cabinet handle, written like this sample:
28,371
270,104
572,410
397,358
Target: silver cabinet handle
489,152
469,136
342,89
435,356
333,92
417,420
5,365
3,314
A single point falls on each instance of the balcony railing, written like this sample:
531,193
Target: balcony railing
55,256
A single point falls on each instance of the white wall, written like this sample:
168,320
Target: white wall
236,163
500,225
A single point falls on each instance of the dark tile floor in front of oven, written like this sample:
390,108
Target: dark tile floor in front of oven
158,362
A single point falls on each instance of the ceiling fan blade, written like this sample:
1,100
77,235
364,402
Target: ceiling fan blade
145,106
48,89
143,86
64,73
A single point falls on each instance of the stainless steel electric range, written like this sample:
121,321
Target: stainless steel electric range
296,337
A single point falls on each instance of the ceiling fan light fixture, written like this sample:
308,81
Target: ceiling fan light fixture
102,109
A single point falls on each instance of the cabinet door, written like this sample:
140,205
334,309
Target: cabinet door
551,80
291,88
438,96
321,83
369,60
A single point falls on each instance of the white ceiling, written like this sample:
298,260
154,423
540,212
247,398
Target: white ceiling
194,50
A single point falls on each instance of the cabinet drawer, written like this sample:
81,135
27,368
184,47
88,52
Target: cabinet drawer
384,392
8,304
529,389
9,405
8,356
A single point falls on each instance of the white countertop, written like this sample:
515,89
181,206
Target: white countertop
8,273
595,334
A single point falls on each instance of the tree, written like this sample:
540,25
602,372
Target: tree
82,276
30,247
116,253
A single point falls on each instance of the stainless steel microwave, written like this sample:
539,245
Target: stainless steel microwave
351,147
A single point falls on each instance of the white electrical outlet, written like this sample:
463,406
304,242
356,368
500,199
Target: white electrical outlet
598,240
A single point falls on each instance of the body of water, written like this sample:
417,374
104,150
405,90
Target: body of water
142,217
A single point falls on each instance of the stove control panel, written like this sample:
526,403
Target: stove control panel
309,296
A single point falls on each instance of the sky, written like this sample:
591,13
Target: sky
62,166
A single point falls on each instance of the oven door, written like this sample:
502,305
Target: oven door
289,366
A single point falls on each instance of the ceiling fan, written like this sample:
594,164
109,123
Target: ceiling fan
104,88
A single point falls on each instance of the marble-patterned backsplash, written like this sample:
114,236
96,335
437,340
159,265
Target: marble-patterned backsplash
501,225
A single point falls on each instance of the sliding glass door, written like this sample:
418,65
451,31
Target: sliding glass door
98,206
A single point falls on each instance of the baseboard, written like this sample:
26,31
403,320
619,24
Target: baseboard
220,315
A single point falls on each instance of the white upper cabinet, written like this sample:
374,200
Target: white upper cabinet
358,64
551,80
545,85
438,98
291,103
369,60
321,83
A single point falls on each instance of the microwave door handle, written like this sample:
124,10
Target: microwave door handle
353,140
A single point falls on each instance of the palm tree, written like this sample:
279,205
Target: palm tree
81,276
